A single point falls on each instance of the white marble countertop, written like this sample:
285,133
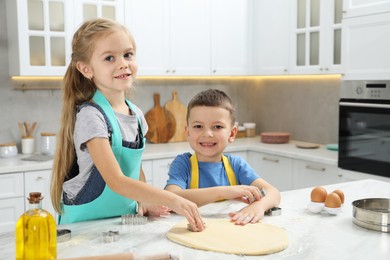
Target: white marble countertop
169,150
311,236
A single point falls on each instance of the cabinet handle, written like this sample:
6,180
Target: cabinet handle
214,71
38,178
271,159
173,71
315,168
167,71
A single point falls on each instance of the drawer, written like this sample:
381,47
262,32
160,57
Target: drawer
11,185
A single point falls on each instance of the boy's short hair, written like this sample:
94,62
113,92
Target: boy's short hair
213,98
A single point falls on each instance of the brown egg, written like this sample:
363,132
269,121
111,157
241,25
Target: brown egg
318,194
333,200
341,195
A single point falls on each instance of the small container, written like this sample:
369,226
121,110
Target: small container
27,145
333,211
48,143
315,207
8,150
241,131
250,129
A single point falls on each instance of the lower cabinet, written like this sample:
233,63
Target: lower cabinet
39,181
11,200
14,190
277,170
308,174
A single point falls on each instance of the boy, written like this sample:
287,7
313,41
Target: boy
208,175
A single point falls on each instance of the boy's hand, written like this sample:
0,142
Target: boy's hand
249,214
244,193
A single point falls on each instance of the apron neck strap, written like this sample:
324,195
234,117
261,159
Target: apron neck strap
194,184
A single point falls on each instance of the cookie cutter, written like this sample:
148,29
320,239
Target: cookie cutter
110,236
133,219
63,235
275,211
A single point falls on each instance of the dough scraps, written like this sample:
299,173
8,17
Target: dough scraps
223,236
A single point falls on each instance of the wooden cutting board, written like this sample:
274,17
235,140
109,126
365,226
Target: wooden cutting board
179,111
162,124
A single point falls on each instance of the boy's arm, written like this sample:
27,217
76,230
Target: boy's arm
205,196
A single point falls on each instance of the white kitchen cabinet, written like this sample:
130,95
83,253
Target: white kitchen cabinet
348,176
39,181
354,8
40,32
39,36
89,9
277,170
173,37
193,37
366,49
308,174
316,37
160,172
242,154
11,200
230,37
271,37
147,166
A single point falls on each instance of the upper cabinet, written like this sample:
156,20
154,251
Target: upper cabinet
354,8
172,38
230,37
366,47
316,37
193,37
38,36
89,9
40,32
271,37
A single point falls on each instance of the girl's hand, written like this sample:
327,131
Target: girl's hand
189,210
153,210
249,214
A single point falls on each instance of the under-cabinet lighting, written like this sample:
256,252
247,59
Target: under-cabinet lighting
289,77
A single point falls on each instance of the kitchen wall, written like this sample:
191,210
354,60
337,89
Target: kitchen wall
305,107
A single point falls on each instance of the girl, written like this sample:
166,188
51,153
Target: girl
97,168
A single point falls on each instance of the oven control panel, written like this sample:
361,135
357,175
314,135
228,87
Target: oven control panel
363,89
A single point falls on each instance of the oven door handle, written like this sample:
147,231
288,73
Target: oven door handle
352,104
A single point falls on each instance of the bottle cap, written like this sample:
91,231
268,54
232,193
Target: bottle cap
35,197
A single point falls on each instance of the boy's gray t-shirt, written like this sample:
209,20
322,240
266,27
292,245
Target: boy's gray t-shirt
90,123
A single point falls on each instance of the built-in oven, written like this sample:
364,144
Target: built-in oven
364,127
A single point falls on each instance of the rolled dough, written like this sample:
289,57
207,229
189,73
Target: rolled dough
223,236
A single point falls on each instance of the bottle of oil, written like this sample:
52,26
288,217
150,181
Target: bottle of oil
36,232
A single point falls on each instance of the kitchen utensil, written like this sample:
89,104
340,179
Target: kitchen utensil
8,150
275,137
307,145
179,111
372,213
133,219
63,235
162,124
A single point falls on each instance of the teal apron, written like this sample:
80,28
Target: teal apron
109,203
